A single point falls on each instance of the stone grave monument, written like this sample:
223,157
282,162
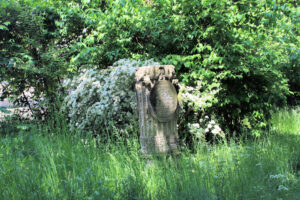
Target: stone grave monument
157,108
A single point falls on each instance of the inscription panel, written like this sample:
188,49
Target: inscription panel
163,100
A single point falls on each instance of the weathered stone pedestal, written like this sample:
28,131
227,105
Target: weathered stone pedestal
157,108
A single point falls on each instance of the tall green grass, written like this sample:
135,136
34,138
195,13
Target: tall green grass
286,121
41,163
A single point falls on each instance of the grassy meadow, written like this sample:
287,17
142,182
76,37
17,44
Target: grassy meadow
41,163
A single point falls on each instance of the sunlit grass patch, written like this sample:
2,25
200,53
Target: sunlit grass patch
37,163
286,121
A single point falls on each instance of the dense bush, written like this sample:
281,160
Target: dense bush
235,48
241,58
102,99
30,58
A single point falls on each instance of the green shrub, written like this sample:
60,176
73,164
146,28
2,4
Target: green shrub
30,57
236,49
240,57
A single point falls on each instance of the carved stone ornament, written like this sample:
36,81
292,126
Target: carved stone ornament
163,102
157,108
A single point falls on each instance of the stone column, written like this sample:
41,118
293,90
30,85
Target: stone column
157,108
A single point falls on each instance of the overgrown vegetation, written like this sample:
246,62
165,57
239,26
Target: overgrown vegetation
38,162
237,63
241,56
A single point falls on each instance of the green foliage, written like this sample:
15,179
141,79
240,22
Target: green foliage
4,110
236,48
30,58
230,55
240,57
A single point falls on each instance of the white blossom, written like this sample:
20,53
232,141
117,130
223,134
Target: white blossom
282,187
277,176
98,97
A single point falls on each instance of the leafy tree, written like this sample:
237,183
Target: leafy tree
30,55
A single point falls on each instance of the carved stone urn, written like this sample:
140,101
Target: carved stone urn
157,106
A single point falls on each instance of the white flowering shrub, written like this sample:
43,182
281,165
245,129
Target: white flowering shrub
102,98
193,97
205,126
200,124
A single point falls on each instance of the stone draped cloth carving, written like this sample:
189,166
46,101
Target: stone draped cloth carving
157,108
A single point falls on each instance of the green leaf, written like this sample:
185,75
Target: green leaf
3,27
3,70
4,110
23,127
6,23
